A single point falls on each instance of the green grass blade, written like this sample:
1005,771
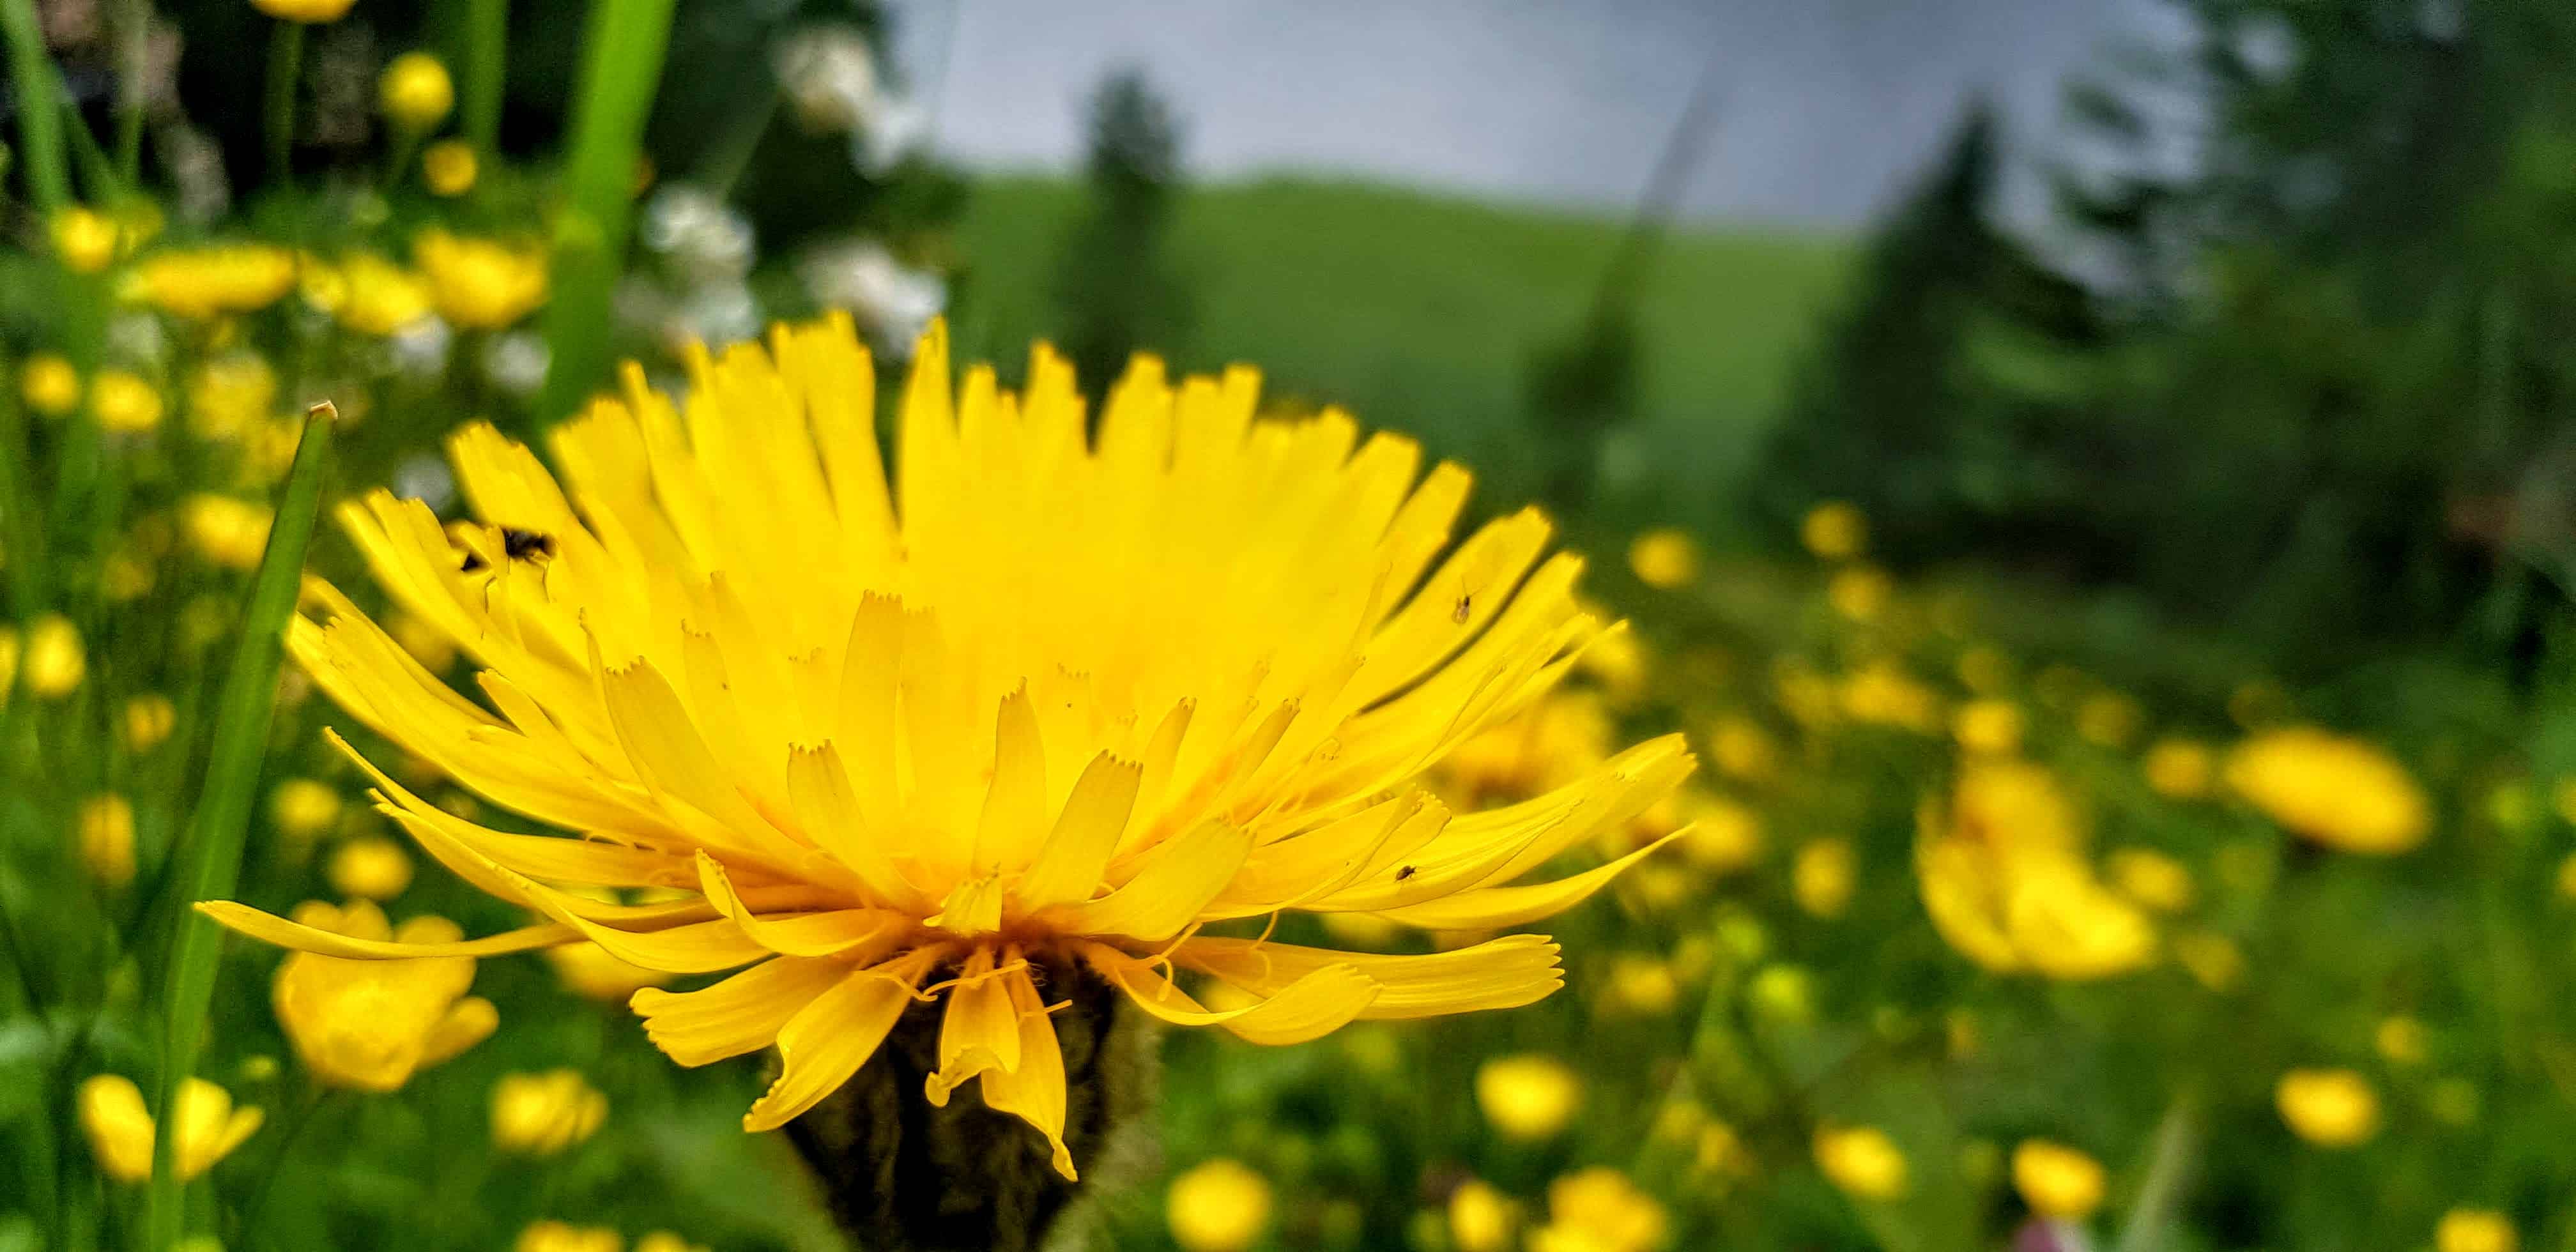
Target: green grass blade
621,71
40,136
210,857
486,62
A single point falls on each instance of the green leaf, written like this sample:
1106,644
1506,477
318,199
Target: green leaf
209,858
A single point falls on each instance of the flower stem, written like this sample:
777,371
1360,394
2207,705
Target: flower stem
285,69
210,858
133,34
40,136
487,52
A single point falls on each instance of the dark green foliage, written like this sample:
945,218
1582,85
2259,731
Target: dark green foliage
1116,286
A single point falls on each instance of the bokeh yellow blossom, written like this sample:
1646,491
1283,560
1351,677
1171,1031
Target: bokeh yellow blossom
2056,1181
124,402
1823,875
593,972
226,530
1599,1210
1528,1096
107,839
1481,1218
1834,531
1218,1206
121,1129
1863,1161
546,1113
554,1236
1989,726
449,167
2339,791
1860,592
2331,1108
2402,1040
149,719
309,12
2475,1230
369,868
480,284
229,394
370,1025
2178,769
53,659
1666,559
303,807
2003,876
415,92
213,281
49,385
2151,878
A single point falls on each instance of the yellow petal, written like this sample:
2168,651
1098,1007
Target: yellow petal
269,928
834,1034
834,932
1015,803
1178,879
1076,853
1499,973
1321,1002
740,1014
1034,1090
1518,906
978,1032
468,1022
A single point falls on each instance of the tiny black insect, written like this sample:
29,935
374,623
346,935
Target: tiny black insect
1459,614
517,545
1403,872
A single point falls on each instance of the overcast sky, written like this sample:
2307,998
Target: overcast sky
1827,105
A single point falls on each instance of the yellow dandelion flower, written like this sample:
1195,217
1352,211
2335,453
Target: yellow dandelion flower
1990,727
2475,1230
1528,1097
107,839
666,1241
121,1129
543,1114
480,284
2056,1181
1642,986
371,1025
1218,1206
1481,1218
149,719
415,91
1834,531
1742,750
54,660
1862,1161
2331,1108
226,530
309,12
1782,993
2003,876
1599,1210
1823,875
553,1236
1666,558
214,281
1075,704
449,167
372,868
124,402
2178,769
2109,719
1722,836
1882,693
2341,792
49,385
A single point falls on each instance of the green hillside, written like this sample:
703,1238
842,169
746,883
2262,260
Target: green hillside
1420,312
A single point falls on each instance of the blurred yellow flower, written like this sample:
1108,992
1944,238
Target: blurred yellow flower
1862,1161
213,281
666,1241
1860,592
2153,879
121,1130
1834,531
310,12
1599,1210
370,1025
1721,1152
229,394
1823,875
2402,1040
1991,727
124,402
1218,1206
1985,670
1782,993
149,719
1666,559
226,530
2339,791
1529,1096
54,660
85,239
1720,835
379,297
2213,960
551,1236
2331,1108
480,284
1616,663
2178,769
591,971
49,384
2056,1181
1742,750
8,663
107,839
1882,693
2003,877
1481,1218
370,868
543,1114
303,807
449,167
1642,985
2109,719
415,91
1561,738
2562,796
2475,1230
2567,877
